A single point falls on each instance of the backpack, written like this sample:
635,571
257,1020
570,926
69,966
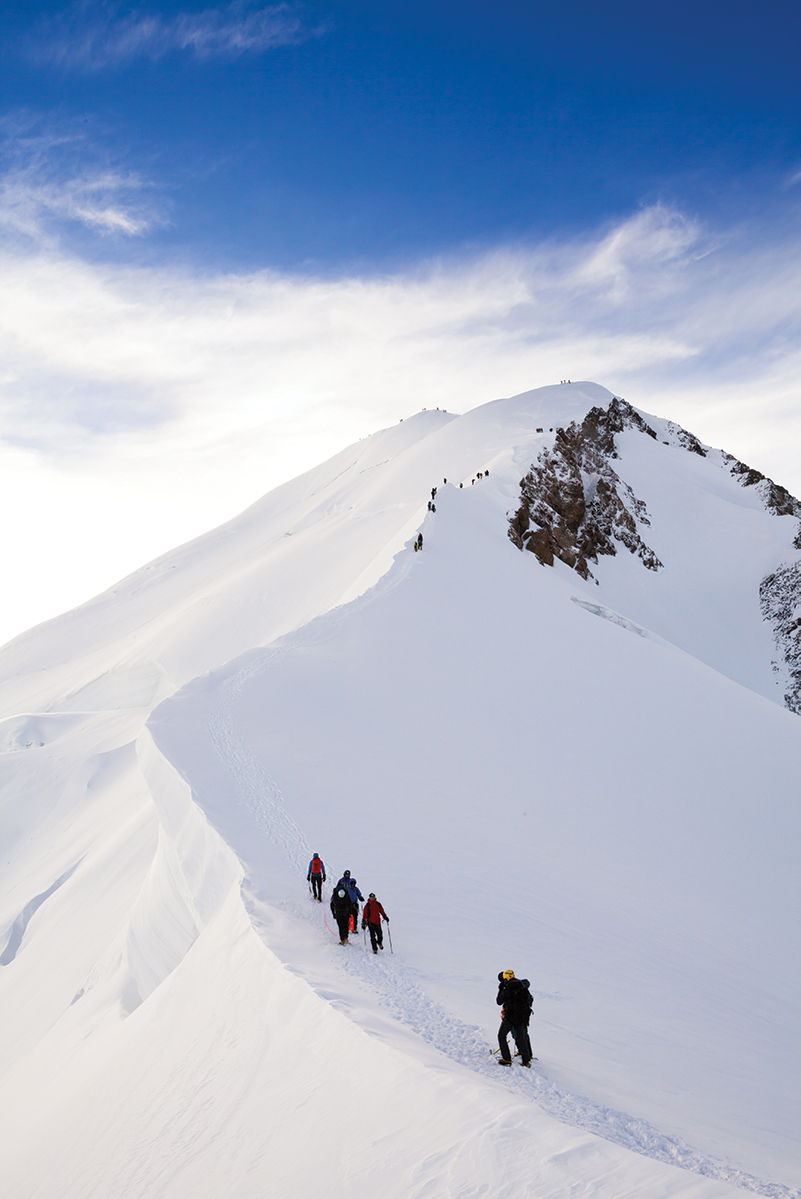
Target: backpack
518,1000
316,865
341,899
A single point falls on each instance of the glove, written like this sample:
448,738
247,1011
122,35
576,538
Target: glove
308,878
387,919
323,878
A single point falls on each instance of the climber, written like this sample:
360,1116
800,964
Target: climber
316,876
349,883
515,1001
371,918
341,910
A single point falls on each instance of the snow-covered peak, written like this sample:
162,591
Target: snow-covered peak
562,761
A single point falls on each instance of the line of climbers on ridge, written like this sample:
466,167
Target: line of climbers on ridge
345,899
514,994
417,544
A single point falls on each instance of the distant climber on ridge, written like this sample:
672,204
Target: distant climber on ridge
371,918
316,876
515,1001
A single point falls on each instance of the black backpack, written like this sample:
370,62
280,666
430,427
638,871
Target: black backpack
518,1000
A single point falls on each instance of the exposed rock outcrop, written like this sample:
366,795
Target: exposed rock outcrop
780,598
574,506
775,497
681,437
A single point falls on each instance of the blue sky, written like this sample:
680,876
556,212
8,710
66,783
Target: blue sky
353,133
235,238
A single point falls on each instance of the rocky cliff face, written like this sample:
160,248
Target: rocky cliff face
780,591
573,504
780,598
775,497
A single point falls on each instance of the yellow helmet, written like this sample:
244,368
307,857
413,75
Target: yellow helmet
508,974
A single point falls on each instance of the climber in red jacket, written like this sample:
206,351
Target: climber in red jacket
371,918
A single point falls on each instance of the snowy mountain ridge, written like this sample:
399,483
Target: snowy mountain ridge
613,815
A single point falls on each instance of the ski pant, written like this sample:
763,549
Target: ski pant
520,1034
343,923
376,934
317,886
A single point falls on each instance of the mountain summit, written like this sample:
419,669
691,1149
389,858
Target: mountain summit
556,739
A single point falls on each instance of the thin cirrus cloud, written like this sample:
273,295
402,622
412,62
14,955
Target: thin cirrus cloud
95,37
51,178
29,202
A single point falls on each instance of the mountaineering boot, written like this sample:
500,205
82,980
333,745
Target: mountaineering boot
502,1061
526,1064
375,951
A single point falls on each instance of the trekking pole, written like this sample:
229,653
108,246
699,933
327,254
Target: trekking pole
389,934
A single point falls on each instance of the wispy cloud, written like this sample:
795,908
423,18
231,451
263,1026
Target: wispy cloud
93,37
52,177
140,406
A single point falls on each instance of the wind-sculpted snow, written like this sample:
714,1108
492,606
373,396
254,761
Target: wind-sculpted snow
22,921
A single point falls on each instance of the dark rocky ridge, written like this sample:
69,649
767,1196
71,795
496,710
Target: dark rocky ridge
775,497
780,599
573,505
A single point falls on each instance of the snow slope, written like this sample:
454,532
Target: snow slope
583,781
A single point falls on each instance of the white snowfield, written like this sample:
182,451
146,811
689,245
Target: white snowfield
593,784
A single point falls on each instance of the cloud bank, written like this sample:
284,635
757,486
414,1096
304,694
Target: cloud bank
139,407
95,37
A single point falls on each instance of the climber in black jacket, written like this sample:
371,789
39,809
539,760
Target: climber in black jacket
515,1001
